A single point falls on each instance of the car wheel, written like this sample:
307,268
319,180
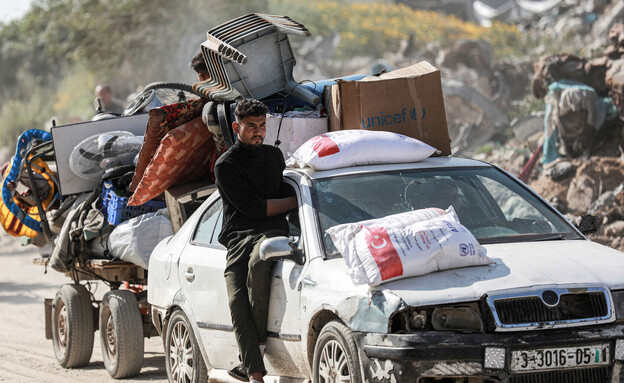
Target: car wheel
121,334
335,355
72,326
183,358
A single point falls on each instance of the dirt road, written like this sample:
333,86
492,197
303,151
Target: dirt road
26,356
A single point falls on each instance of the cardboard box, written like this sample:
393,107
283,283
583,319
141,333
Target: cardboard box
407,101
294,131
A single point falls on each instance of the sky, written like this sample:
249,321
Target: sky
13,9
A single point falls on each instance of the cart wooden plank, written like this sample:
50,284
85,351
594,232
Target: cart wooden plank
110,270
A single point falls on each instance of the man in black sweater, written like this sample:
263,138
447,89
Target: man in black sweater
255,198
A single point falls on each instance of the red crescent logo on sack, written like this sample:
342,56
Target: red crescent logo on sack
383,243
324,146
383,251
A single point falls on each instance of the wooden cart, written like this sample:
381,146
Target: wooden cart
74,314
122,316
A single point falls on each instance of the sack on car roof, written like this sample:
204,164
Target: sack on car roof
346,148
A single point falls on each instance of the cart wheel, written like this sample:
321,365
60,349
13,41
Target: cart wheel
183,359
72,326
121,334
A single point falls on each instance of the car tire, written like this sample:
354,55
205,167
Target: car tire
183,358
72,326
121,334
336,356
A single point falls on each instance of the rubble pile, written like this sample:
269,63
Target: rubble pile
588,186
496,108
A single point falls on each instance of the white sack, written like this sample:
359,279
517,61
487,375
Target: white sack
346,148
406,245
134,240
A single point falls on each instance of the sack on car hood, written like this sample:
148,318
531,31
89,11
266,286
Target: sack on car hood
406,245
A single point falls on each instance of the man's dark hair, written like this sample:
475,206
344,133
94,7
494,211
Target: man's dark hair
198,63
250,107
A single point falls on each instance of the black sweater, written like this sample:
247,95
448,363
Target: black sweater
246,178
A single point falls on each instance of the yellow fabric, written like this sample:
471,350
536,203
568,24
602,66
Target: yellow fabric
11,224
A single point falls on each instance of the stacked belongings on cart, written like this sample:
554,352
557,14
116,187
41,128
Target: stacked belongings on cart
182,141
110,221
177,149
81,220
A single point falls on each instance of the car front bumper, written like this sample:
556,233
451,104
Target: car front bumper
432,355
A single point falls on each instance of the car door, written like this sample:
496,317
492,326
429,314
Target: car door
284,355
201,268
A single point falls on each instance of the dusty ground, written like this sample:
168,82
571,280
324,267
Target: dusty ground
26,356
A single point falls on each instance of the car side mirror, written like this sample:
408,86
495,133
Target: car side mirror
589,224
273,249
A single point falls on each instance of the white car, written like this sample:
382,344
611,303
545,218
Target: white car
549,309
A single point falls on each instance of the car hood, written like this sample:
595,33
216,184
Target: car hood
517,266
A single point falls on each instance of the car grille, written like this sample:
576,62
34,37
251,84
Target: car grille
533,309
593,375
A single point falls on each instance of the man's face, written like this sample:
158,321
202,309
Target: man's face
251,130
104,95
202,75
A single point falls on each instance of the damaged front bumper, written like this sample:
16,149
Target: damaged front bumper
432,356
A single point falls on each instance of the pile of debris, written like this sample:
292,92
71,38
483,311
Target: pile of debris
582,136
588,186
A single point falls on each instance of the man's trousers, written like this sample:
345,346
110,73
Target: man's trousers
248,283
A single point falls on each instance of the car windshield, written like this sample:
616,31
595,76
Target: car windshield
494,207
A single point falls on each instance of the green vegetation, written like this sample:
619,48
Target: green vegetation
374,28
54,56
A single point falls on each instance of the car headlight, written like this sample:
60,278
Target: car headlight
618,303
465,318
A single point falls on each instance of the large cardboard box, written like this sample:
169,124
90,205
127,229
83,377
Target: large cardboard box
407,101
293,132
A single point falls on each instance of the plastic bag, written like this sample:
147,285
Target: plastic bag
346,148
134,240
406,245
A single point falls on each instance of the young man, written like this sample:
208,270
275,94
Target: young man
199,66
255,198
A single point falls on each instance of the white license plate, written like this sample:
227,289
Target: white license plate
561,357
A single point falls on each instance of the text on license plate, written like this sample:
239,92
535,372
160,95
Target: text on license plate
550,358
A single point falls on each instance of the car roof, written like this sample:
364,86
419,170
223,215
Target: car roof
429,163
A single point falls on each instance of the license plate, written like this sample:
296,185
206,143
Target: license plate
561,357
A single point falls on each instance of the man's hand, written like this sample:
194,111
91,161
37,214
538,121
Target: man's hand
280,205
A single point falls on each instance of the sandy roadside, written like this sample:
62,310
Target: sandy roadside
26,356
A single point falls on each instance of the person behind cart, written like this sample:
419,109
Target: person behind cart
104,93
255,200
